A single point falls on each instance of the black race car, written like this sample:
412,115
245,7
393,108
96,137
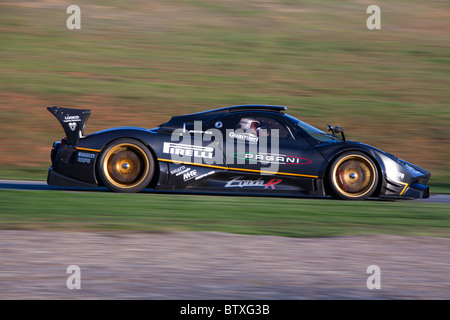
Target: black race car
246,149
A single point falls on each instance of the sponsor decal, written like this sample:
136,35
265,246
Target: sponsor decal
177,170
84,157
237,182
200,132
188,150
271,158
189,175
204,175
243,136
183,172
69,118
71,121
72,126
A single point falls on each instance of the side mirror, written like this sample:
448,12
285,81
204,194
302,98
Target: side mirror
335,130
338,129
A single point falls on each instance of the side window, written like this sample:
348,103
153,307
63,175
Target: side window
221,123
262,126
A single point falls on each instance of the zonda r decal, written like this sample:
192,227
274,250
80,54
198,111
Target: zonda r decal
237,182
271,158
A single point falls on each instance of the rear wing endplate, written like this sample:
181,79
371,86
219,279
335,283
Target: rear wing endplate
73,122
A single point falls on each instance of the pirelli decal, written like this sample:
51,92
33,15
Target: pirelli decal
188,150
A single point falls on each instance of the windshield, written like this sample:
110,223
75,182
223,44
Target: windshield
314,132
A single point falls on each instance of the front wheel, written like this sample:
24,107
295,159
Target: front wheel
353,176
126,165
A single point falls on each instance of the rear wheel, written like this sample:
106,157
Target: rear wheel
126,165
353,176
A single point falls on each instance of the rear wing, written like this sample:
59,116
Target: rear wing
73,122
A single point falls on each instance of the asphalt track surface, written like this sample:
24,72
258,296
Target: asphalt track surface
42,185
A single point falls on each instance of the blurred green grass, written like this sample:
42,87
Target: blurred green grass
62,210
140,62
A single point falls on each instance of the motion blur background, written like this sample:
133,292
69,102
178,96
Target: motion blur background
137,63
140,62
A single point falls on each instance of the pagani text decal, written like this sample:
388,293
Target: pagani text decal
271,158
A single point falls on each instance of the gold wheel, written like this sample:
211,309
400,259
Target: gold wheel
354,176
125,165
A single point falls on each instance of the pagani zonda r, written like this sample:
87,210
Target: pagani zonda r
247,149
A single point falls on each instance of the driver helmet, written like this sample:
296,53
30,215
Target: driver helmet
249,125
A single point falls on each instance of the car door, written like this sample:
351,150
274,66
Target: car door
196,151
265,144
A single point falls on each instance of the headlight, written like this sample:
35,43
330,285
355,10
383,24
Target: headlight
413,171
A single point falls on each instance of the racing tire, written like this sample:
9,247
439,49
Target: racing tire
126,165
353,176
